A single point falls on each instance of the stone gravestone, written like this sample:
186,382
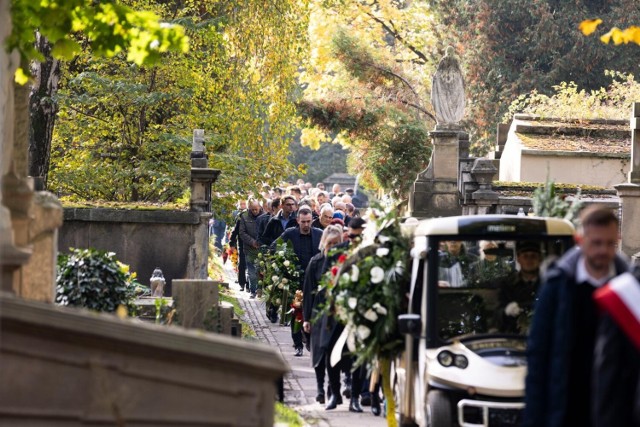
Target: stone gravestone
435,191
195,301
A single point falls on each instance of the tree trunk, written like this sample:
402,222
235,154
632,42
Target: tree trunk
43,108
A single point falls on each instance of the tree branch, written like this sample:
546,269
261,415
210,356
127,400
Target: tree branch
405,82
86,114
391,30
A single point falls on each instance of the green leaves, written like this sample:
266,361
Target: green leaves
546,202
110,27
95,280
124,131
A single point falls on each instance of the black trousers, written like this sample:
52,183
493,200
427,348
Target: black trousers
296,336
242,268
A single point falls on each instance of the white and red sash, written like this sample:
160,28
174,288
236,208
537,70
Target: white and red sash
620,298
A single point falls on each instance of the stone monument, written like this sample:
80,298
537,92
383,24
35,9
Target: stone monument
435,191
447,92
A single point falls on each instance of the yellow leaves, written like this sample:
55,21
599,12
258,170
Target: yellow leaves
629,35
615,34
588,26
21,77
313,137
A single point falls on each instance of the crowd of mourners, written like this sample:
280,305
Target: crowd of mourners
314,221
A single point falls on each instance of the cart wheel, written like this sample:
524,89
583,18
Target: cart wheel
438,409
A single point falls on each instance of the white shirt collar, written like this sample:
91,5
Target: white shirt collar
582,275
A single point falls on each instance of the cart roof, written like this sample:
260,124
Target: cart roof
487,225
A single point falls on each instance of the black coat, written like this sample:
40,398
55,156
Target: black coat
313,300
274,228
548,348
616,379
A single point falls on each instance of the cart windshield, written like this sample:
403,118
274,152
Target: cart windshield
490,286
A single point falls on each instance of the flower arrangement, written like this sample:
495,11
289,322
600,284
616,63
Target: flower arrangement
367,291
281,276
232,254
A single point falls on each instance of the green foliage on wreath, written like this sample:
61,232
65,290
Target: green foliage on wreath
547,203
96,280
367,291
280,273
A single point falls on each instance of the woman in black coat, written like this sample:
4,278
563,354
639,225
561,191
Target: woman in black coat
322,328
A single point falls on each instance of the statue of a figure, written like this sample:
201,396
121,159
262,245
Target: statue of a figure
157,283
447,90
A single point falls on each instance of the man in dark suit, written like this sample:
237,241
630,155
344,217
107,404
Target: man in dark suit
306,241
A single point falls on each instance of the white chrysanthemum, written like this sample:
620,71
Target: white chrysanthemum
281,253
352,302
371,315
355,273
382,252
362,332
278,301
285,280
287,263
280,286
274,265
380,309
383,239
274,279
377,274
512,309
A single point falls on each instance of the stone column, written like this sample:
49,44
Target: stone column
202,177
634,173
11,255
629,192
630,199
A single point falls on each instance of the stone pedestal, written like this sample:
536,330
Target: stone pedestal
196,302
435,191
630,199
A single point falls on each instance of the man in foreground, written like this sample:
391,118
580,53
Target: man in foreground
562,339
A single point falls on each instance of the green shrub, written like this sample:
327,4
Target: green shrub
96,280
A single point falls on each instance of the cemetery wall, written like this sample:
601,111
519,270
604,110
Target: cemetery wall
174,241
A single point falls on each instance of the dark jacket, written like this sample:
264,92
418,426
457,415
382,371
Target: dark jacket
234,238
548,348
263,220
274,228
293,234
313,299
317,224
616,376
248,230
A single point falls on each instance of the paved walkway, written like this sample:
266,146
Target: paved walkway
300,383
